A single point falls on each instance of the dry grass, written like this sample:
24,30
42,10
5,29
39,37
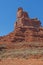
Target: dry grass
22,50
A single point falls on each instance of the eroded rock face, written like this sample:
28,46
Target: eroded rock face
26,29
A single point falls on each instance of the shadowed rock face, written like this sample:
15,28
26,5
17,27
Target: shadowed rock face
26,29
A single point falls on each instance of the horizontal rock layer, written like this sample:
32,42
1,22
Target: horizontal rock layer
26,29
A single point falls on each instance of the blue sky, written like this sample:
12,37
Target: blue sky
8,9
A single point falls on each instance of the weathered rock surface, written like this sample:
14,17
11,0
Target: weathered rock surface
26,41
26,29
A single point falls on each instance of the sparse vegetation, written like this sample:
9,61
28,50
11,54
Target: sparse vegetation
22,52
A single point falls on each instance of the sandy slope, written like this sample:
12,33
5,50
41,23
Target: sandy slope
21,62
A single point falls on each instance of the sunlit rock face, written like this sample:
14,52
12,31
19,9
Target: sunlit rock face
26,29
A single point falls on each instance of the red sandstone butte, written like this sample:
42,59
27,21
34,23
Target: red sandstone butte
25,29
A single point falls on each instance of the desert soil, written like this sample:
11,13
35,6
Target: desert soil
21,61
